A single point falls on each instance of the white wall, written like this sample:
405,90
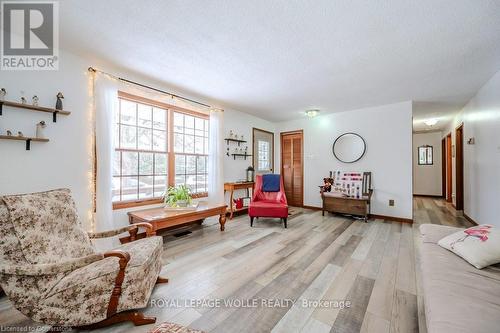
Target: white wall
481,119
387,131
65,160
427,178
241,124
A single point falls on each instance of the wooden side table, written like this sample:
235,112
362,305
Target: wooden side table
231,187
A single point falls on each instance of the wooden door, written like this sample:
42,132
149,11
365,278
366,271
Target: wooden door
292,167
459,167
449,186
443,168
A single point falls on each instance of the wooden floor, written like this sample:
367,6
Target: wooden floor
371,265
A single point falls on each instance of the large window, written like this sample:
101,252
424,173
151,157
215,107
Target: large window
191,151
146,162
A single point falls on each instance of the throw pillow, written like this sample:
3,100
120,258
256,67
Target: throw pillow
479,245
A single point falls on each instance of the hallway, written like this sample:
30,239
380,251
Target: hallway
437,211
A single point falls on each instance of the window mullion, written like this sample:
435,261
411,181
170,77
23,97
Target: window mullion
170,148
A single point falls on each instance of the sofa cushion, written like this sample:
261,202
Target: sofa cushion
46,224
479,245
268,209
457,296
432,233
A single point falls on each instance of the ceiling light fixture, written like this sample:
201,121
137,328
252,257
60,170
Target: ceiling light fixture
431,122
312,113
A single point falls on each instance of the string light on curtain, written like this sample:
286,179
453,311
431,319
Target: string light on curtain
91,150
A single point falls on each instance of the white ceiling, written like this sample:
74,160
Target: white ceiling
275,59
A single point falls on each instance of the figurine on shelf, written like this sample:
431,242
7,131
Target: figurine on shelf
34,100
3,92
59,105
9,133
227,151
231,134
23,100
236,136
20,134
242,138
40,130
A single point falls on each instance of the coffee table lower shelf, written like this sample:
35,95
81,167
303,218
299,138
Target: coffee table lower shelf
161,218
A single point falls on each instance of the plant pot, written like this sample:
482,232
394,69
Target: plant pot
182,203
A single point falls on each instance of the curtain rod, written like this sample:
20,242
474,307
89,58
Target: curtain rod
94,70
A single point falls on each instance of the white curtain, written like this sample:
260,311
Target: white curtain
216,157
105,104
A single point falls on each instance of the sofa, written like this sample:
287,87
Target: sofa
458,297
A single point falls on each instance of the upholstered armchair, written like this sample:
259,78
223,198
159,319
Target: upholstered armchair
268,203
52,273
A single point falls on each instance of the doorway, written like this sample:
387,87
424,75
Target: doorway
292,166
459,167
449,186
263,151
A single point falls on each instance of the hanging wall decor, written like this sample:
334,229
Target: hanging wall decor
349,147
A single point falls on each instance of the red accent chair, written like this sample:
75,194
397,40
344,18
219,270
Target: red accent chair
268,204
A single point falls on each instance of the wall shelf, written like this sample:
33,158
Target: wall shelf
234,140
27,139
242,155
34,108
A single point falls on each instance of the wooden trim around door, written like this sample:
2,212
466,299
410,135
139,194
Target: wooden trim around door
459,167
449,180
443,167
301,132
253,146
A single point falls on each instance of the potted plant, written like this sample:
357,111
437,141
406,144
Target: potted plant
179,196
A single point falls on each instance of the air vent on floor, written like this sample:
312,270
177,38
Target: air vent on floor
182,233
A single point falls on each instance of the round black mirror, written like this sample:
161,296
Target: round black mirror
349,147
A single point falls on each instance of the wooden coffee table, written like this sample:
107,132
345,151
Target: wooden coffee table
162,218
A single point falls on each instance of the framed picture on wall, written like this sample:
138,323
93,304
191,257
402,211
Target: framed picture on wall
425,155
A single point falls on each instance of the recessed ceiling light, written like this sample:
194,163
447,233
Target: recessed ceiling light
431,122
312,113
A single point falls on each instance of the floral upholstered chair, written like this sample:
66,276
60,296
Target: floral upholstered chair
52,273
